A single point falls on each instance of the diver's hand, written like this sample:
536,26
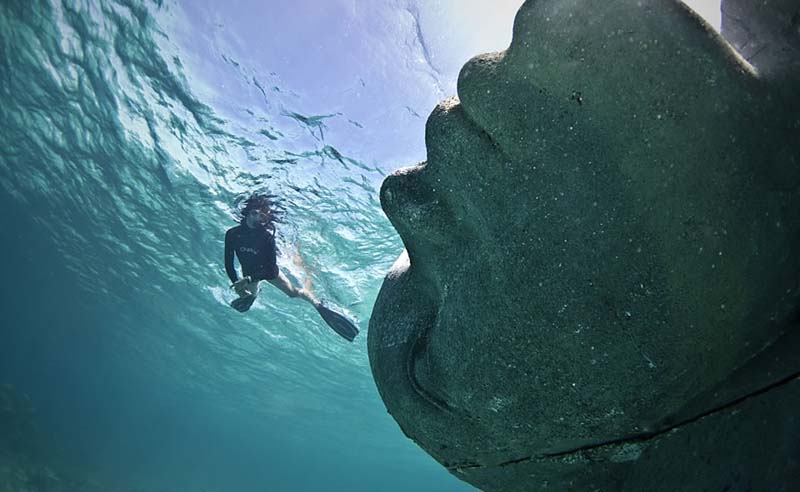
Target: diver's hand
240,286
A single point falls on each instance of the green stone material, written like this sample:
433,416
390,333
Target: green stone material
600,285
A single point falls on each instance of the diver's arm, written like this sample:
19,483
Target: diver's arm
229,248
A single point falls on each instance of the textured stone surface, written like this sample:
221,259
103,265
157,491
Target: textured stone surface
601,265
767,34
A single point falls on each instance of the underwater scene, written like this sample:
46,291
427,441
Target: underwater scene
131,133
203,225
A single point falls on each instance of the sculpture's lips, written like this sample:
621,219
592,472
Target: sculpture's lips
398,332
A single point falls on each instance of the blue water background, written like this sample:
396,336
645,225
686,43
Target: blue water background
128,131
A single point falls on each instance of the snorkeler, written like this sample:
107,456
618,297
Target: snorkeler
253,243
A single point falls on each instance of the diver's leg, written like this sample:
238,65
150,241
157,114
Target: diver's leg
285,285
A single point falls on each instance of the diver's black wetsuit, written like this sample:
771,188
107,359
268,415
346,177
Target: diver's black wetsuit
255,249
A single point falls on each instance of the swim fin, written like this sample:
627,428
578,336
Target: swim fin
338,322
242,304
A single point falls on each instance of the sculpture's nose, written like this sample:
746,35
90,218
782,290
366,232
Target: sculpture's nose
416,208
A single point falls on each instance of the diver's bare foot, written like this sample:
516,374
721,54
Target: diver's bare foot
308,296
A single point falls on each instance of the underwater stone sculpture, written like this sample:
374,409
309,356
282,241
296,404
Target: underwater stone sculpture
600,288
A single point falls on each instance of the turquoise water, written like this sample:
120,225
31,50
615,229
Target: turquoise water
120,163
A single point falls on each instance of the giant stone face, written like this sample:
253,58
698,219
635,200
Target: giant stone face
601,272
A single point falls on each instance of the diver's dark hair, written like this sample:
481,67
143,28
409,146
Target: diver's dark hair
261,201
